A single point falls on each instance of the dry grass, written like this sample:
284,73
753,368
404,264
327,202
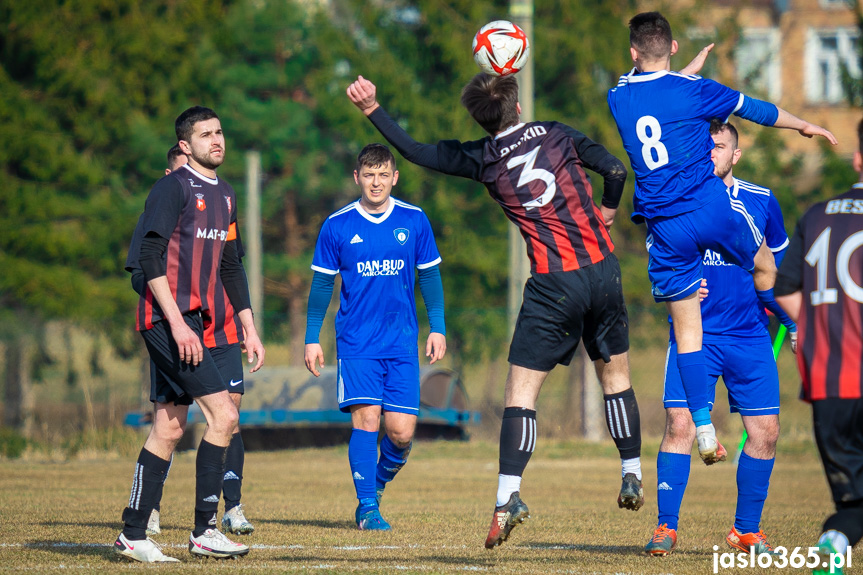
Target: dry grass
65,516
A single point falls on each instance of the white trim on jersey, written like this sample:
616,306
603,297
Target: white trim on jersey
428,265
635,77
344,210
750,187
740,208
509,130
377,219
404,204
200,175
665,297
782,247
737,107
324,270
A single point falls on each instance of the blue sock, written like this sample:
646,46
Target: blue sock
391,461
693,375
363,454
753,479
672,475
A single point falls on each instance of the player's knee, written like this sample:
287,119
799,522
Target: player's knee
679,425
401,437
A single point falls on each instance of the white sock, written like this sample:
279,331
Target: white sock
837,539
506,486
631,466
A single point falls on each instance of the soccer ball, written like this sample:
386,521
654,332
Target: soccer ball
500,48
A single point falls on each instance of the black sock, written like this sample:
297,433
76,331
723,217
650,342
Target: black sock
209,474
147,484
624,423
234,472
848,520
517,439
158,504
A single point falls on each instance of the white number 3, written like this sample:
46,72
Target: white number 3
651,142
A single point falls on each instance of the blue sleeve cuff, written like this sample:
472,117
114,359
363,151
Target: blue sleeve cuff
758,111
431,289
319,300
769,301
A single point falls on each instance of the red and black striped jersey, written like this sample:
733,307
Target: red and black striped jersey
536,172
197,215
825,263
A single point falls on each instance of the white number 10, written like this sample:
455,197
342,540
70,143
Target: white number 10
818,258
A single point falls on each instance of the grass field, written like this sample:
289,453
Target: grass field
64,516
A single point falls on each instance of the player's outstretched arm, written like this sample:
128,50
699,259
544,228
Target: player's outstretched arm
435,347
790,121
363,94
697,63
320,294
251,341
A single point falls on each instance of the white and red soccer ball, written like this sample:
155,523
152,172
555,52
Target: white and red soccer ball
500,48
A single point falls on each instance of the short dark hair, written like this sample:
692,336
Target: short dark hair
375,155
717,125
185,123
650,34
492,101
174,153
860,136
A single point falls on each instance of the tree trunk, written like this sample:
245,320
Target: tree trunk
18,400
297,295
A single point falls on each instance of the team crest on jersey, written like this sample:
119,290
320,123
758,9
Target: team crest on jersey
200,204
401,235
228,200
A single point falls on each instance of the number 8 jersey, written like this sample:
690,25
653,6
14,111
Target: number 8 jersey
664,119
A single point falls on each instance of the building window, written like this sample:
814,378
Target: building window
758,62
829,54
836,4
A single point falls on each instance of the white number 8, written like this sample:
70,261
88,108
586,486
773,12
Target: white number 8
651,142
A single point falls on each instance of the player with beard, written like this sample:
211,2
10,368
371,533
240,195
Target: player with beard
189,236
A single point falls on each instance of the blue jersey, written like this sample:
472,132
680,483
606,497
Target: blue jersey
732,310
376,254
664,120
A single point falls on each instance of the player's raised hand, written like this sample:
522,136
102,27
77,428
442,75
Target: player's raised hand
697,63
364,95
188,343
314,353
810,130
435,347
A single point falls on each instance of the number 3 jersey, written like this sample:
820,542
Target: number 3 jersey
376,255
664,119
536,172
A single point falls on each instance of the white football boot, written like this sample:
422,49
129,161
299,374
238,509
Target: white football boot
153,527
234,521
143,550
213,543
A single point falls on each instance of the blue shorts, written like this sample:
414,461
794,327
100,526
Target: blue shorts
393,383
676,245
748,370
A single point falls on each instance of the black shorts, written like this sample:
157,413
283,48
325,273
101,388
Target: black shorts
229,361
838,425
176,381
561,308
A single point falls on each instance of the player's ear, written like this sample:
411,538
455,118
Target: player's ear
674,47
858,161
184,145
518,108
357,177
395,177
167,171
735,156
633,53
